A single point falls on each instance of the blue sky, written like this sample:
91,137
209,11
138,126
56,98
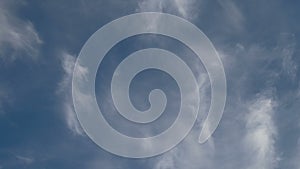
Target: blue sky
258,42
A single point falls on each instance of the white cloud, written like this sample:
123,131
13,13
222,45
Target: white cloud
65,88
261,134
167,162
253,142
25,160
16,35
71,119
187,9
255,146
286,49
183,8
189,154
233,14
148,5
258,67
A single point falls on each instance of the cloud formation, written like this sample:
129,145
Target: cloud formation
183,8
261,134
25,160
17,36
255,58
234,17
286,48
65,89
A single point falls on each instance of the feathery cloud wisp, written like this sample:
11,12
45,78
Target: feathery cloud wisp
181,7
65,88
16,35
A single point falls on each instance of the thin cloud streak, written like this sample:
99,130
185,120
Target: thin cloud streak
25,160
233,14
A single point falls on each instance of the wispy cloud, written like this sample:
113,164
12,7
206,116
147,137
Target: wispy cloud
25,160
189,154
261,134
286,48
234,16
65,89
256,68
183,8
17,36
253,142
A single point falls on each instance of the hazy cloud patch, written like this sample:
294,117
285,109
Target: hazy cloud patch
17,36
261,134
